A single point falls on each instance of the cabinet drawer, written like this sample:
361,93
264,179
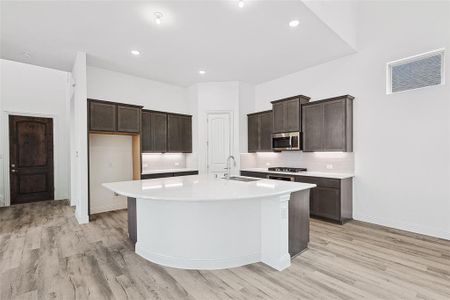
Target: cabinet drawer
253,174
154,176
319,181
187,173
325,202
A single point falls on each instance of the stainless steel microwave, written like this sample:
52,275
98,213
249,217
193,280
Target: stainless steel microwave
289,141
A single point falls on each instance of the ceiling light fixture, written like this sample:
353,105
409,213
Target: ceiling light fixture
241,3
202,72
135,52
158,17
294,23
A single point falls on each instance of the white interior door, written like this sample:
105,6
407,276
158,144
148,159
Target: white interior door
219,142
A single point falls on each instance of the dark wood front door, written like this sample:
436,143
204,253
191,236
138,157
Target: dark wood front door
31,159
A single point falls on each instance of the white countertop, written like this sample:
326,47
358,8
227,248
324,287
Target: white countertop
307,173
162,171
203,188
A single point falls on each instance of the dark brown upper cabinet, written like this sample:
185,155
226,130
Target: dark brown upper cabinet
260,131
102,116
287,114
328,125
179,133
154,131
114,117
128,118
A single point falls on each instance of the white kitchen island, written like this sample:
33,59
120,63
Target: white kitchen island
202,222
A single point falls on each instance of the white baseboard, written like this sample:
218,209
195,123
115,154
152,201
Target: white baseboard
407,226
82,219
197,264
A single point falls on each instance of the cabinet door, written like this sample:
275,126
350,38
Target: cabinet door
334,138
312,127
279,113
325,202
253,132
102,116
186,131
154,132
174,133
128,119
265,131
179,133
292,117
146,135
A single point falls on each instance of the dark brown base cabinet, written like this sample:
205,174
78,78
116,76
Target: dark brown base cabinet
331,200
169,174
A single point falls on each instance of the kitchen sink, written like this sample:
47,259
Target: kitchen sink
244,179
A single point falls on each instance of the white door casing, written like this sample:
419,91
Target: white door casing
219,141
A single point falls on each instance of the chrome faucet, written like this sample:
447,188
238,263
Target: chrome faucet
228,168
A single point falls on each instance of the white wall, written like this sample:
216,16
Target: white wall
111,160
113,86
36,91
401,141
339,15
246,106
78,147
213,97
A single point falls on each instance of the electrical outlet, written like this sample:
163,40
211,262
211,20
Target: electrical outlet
145,165
267,163
177,164
329,166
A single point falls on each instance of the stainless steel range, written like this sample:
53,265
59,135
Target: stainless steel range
284,169
287,169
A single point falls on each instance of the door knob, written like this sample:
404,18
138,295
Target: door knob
14,171
13,165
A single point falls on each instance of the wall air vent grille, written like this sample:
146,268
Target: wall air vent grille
416,72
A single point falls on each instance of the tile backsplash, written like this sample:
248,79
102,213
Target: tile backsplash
161,161
336,162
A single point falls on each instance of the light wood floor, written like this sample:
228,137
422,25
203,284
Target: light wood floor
45,254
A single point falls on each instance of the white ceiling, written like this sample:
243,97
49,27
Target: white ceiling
253,44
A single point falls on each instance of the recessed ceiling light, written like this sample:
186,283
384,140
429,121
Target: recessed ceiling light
135,52
202,72
294,23
241,3
158,17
